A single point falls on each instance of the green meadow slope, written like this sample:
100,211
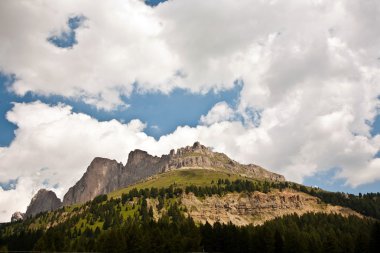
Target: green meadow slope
182,178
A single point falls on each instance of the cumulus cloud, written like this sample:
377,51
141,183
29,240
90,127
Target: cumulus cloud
118,45
273,46
218,113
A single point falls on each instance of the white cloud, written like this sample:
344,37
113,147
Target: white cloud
118,45
220,112
273,46
15,199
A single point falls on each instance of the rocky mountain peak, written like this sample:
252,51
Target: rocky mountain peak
196,148
43,200
98,162
101,176
138,157
105,175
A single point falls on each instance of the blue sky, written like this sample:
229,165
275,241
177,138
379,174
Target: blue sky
162,113
67,38
325,181
298,98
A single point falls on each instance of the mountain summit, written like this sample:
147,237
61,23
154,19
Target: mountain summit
44,200
104,175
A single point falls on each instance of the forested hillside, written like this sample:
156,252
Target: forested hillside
131,224
175,233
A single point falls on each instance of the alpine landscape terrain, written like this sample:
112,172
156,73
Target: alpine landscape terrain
192,199
155,126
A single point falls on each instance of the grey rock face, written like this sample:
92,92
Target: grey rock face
104,175
43,201
17,216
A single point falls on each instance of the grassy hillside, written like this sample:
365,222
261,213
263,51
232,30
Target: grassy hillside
181,178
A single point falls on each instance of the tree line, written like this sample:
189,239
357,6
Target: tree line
174,232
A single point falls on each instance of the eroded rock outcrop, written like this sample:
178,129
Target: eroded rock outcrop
201,156
256,207
17,216
105,175
43,201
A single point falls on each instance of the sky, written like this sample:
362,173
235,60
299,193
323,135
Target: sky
293,86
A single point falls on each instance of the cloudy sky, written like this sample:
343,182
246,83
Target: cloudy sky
293,86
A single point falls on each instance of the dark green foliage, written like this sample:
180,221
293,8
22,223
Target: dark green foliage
150,212
366,204
144,213
160,202
154,192
97,231
374,243
308,233
176,233
99,199
24,241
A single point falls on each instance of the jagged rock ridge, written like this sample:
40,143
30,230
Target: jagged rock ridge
105,175
43,201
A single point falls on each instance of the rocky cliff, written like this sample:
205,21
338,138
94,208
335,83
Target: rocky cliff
104,175
43,201
255,208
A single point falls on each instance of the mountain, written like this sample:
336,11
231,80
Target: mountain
198,210
43,201
104,175
192,200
